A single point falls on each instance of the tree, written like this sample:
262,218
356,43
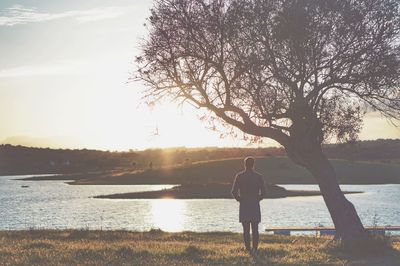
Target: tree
299,72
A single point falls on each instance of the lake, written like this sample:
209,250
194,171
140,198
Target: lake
56,205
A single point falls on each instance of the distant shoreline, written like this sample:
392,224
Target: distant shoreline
275,170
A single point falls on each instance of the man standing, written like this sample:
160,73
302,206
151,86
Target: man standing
248,188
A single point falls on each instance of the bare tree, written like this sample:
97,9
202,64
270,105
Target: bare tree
299,72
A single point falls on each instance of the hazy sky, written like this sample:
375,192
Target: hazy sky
64,73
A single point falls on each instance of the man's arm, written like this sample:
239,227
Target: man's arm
262,189
235,189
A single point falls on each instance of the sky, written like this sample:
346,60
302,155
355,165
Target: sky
64,81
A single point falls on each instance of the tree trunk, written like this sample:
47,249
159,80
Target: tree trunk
344,216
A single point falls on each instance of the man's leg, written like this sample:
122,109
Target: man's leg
246,234
254,232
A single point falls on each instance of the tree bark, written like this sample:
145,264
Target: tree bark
344,216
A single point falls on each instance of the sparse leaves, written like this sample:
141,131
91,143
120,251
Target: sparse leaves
280,69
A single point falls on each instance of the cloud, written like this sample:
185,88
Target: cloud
60,68
18,14
100,69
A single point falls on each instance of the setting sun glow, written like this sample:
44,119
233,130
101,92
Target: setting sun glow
168,214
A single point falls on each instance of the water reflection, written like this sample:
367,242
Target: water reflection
168,214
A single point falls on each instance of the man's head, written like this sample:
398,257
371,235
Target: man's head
249,163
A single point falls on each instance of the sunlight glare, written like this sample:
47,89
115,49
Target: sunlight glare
168,214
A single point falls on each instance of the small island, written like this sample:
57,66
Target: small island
209,191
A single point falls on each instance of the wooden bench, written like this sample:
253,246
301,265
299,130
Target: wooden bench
321,230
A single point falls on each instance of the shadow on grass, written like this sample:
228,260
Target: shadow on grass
194,253
39,245
87,255
129,253
5,255
36,259
368,251
234,256
190,253
79,234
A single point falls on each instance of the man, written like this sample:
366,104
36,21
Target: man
248,189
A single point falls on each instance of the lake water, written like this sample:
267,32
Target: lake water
56,205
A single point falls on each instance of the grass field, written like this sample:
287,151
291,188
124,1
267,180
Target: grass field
81,247
276,170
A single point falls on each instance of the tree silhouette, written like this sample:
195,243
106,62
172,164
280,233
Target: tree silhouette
299,72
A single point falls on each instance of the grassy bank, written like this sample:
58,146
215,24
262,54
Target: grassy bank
77,247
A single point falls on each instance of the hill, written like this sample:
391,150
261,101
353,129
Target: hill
25,160
276,170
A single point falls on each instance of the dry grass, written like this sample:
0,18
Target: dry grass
81,247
